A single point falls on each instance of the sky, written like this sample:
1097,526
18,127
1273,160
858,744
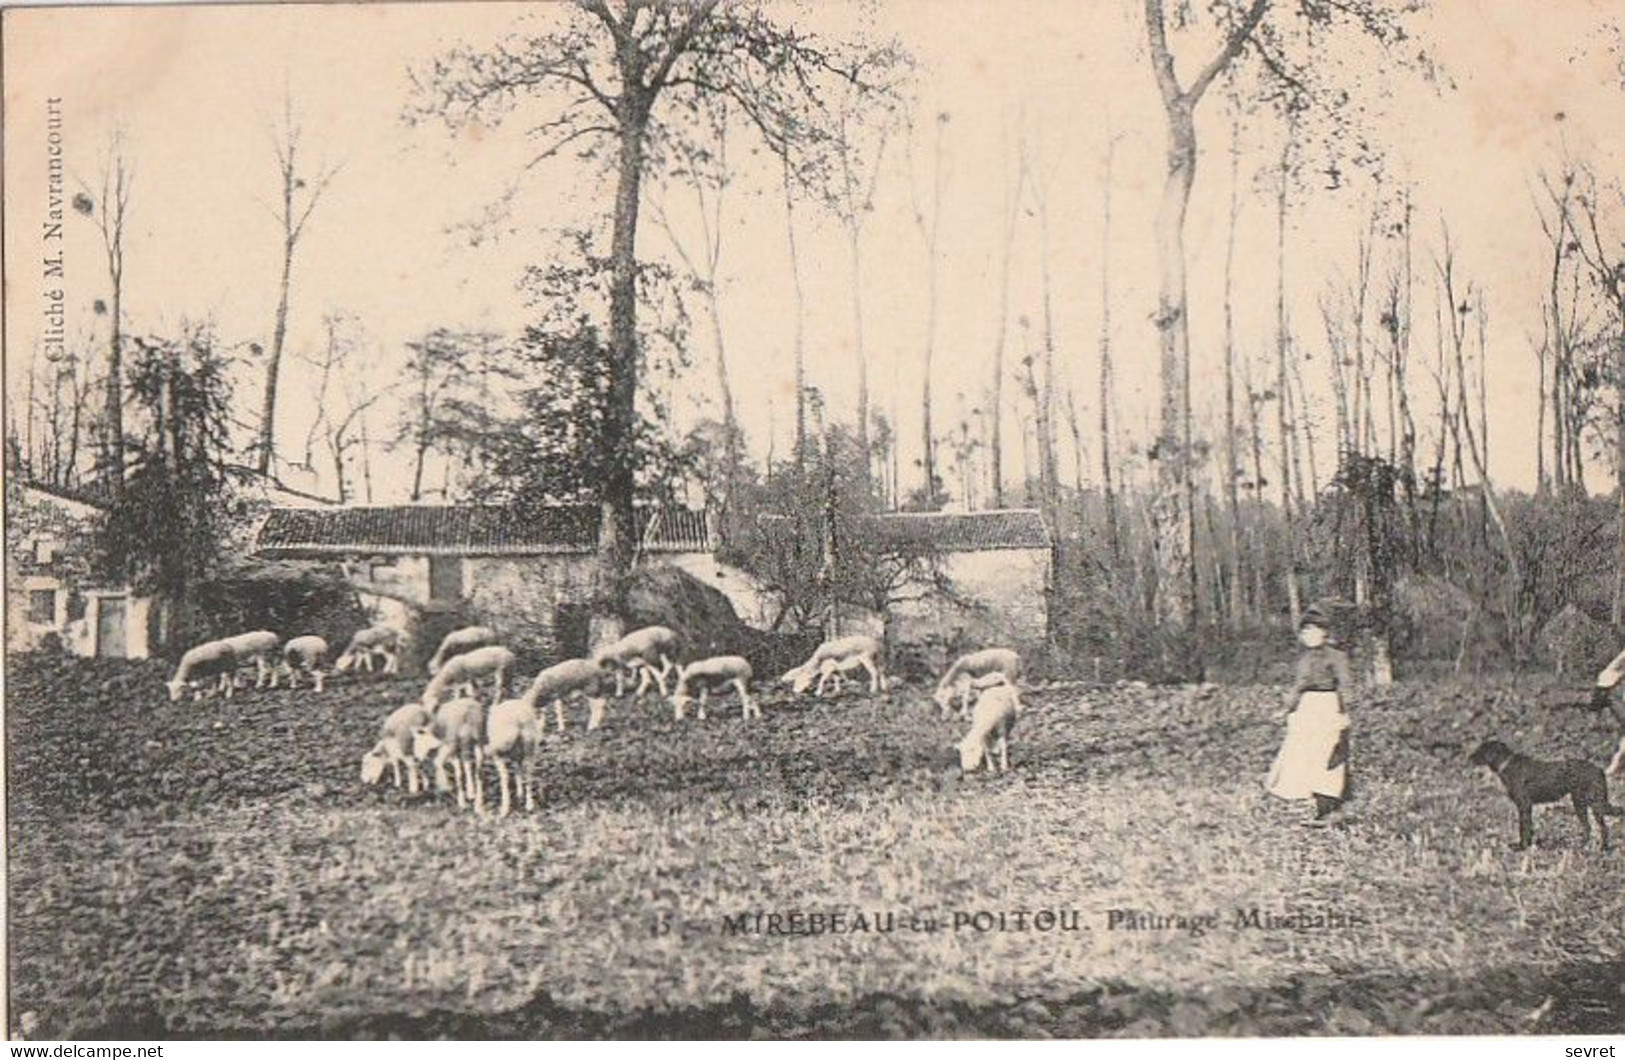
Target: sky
195,93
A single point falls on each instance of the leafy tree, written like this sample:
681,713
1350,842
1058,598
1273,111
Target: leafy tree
163,534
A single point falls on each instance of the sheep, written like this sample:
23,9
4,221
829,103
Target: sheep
462,671
257,647
640,650
512,740
997,709
573,675
303,653
718,673
215,658
459,641
456,731
835,657
368,643
394,748
975,671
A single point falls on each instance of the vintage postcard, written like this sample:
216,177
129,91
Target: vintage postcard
734,519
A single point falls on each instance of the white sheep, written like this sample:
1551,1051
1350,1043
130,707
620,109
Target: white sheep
651,652
556,683
367,645
455,732
836,657
997,709
215,658
303,654
973,672
512,742
462,671
459,641
258,647
394,748
718,673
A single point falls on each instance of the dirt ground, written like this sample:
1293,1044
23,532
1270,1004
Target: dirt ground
217,869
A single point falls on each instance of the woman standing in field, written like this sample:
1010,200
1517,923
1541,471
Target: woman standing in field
1313,760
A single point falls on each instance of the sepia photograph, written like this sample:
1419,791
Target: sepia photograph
814,519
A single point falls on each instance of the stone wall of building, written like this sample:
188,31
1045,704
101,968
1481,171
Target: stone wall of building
999,598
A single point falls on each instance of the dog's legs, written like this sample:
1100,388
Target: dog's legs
1582,811
1526,826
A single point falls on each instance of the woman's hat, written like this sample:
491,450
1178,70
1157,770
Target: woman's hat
1313,615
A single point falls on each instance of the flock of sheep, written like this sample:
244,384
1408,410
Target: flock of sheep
453,730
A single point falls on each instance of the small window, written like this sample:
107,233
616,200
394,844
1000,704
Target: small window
44,551
445,579
42,607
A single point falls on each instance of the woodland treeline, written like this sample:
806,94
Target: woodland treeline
1172,552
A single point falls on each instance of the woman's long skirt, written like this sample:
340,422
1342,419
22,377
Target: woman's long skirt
1313,759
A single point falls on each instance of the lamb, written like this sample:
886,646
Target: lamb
640,650
215,658
835,657
394,748
493,660
459,641
512,739
257,647
718,673
997,709
456,732
976,670
373,641
585,676
303,654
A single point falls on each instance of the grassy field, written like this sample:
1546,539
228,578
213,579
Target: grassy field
217,869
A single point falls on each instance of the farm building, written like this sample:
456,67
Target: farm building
51,587
498,564
495,563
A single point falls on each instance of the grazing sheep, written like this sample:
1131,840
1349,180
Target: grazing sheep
835,657
974,671
714,674
997,709
512,740
369,643
215,658
303,654
456,732
394,748
556,683
460,641
462,671
1617,765
640,651
259,648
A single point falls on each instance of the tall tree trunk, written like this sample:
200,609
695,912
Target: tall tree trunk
273,366
1108,490
1175,528
617,540
798,321
854,245
1232,470
1283,381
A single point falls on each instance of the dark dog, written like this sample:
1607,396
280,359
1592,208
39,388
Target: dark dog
1531,782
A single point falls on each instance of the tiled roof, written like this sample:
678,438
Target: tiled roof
466,530
967,531
983,531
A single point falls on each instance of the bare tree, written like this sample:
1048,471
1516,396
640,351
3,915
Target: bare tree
1010,213
1044,397
1283,342
1113,531
928,218
110,212
297,201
